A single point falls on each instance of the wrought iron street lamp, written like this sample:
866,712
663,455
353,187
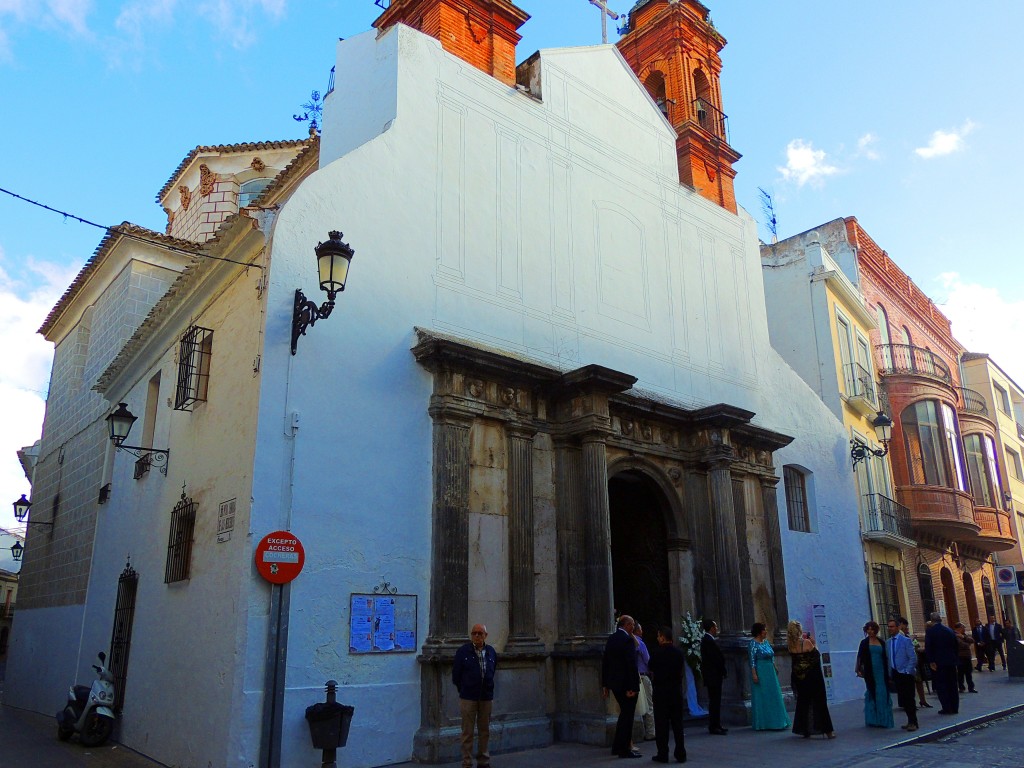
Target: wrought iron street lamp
333,259
17,550
21,509
859,450
120,424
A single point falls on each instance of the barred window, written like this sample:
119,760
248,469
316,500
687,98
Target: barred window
887,603
179,542
193,367
796,499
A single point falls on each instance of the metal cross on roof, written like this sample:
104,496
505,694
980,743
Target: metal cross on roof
606,13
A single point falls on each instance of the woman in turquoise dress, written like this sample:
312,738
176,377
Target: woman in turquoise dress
873,666
767,709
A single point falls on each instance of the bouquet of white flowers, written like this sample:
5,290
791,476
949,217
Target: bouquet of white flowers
693,633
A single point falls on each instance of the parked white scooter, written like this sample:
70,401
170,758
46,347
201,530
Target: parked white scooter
89,711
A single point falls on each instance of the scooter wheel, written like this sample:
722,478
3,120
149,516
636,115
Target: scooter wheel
96,731
64,733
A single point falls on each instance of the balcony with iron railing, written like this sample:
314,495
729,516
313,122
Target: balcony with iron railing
860,389
711,119
972,402
907,360
887,521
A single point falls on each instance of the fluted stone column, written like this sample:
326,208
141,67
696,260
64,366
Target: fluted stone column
597,537
569,526
449,567
773,537
522,614
727,565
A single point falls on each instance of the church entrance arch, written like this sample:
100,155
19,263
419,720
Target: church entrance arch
642,583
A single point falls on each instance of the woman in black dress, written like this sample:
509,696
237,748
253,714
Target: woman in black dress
812,716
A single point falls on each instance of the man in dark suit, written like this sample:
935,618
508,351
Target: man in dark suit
994,642
620,676
666,667
941,649
980,644
712,669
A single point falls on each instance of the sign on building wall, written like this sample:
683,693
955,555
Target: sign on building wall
382,623
1006,580
821,640
225,520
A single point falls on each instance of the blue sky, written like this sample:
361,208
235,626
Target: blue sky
906,115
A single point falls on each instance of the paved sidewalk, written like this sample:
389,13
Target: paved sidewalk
749,748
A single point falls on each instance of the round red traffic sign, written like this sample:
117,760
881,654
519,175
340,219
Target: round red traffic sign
279,557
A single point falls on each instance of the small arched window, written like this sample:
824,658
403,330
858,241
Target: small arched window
250,190
924,583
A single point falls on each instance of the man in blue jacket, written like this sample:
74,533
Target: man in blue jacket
473,675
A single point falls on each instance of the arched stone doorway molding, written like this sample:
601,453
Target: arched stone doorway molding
525,452
670,543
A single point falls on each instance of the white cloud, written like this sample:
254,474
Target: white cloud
231,19
69,16
865,146
805,164
946,142
986,321
24,304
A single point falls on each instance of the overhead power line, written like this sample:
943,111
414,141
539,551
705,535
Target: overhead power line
129,235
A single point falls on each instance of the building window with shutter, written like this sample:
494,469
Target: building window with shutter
194,355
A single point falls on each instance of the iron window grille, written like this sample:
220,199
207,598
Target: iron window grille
179,541
143,465
193,367
121,638
796,500
887,604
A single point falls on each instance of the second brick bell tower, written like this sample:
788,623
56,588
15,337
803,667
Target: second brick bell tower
674,50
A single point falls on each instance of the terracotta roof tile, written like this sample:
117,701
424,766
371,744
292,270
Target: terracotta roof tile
227,149
113,235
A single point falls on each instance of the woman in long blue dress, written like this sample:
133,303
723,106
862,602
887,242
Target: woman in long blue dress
767,709
873,666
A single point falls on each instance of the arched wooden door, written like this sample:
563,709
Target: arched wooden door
639,543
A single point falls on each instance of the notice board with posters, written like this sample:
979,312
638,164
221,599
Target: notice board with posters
382,623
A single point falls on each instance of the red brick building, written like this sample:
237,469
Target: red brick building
944,465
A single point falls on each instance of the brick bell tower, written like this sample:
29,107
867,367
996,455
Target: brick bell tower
483,33
674,50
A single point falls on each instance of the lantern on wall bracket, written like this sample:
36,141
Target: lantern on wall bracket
21,509
120,424
859,450
333,259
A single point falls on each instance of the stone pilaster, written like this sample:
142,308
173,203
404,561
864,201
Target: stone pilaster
773,539
449,577
597,537
522,612
727,565
569,525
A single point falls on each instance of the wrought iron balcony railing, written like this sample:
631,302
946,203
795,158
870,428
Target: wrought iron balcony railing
972,402
859,382
711,118
885,515
896,359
